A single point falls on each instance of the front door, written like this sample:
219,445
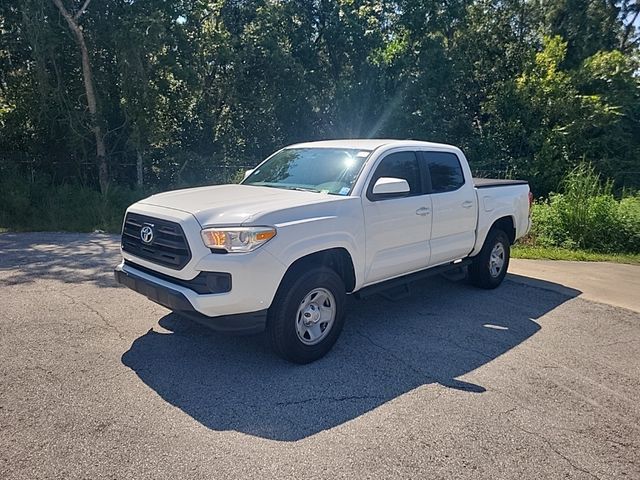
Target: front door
397,228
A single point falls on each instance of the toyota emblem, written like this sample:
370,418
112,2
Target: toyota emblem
146,234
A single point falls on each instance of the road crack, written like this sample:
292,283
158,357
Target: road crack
553,448
328,399
392,354
621,342
100,315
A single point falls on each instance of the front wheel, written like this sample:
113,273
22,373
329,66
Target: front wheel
490,266
307,315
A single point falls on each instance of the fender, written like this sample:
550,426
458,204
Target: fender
484,231
298,239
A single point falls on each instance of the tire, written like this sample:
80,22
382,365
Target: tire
485,271
317,294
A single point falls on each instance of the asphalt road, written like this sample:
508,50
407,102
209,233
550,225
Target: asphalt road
97,382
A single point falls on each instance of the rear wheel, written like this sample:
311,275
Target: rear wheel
490,266
307,315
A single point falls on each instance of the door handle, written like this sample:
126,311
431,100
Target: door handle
467,204
423,211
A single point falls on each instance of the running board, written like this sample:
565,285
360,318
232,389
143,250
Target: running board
401,284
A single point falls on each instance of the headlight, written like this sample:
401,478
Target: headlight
237,239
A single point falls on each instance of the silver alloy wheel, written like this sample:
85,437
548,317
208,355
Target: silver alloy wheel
496,260
316,315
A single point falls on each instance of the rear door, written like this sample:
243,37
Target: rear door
454,207
397,228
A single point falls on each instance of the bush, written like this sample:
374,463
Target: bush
586,215
629,214
40,205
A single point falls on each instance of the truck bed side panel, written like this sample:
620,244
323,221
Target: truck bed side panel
508,200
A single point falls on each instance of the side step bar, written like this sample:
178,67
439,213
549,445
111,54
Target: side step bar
401,284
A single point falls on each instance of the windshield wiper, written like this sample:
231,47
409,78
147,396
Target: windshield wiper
302,189
285,187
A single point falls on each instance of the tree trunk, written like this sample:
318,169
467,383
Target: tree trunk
139,171
87,76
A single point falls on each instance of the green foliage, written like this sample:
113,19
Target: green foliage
549,119
39,205
194,91
586,215
629,220
183,87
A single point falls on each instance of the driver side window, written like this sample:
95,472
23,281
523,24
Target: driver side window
398,165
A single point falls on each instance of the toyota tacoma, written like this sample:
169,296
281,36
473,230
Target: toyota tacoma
316,222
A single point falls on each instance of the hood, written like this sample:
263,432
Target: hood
234,204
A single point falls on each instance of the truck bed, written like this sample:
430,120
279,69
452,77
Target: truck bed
496,182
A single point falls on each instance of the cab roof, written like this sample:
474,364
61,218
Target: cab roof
367,143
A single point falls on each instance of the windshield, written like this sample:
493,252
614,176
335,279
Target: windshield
326,170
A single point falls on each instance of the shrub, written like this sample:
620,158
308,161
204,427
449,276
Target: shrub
629,214
40,205
586,215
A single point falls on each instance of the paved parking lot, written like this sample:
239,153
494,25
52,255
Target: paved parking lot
454,382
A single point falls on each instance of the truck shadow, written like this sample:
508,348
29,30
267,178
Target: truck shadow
441,332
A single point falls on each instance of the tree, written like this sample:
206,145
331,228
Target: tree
550,119
629,15
184,92
87,76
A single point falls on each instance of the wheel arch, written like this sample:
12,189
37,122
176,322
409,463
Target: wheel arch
338,259
507,225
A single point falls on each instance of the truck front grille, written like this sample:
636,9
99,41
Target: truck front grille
168,246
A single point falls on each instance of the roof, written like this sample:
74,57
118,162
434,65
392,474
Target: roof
365,143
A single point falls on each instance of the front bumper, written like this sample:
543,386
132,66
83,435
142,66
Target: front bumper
177,298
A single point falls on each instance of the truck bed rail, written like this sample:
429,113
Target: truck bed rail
496,182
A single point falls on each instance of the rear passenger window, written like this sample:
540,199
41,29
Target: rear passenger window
400,165
445,171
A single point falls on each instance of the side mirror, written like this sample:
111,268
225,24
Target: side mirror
247,173
390,186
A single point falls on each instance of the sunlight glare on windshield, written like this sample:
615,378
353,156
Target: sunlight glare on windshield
349,161
323,170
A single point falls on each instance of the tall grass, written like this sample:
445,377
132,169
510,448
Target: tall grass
587,215
39,205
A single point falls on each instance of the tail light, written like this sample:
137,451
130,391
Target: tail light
530,202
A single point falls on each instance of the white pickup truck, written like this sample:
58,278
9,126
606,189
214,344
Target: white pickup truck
313,223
